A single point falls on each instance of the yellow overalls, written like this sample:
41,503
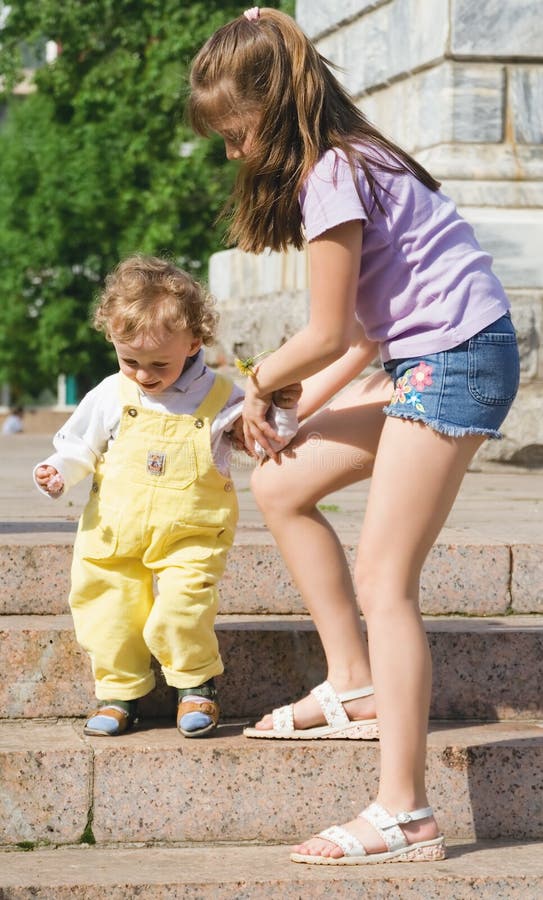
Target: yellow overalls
158,509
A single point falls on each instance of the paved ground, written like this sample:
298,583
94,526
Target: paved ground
500,504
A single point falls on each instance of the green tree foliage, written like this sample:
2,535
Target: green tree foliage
95,164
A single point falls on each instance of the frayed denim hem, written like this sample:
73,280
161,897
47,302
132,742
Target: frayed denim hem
443,427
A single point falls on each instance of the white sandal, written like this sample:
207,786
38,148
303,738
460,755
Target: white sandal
338,723
387,826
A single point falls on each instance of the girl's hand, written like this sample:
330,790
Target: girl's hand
255,426
50,480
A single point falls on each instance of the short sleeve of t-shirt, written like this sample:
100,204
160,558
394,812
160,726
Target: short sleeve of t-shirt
329,196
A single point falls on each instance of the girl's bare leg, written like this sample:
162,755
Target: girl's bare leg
336,448
416,477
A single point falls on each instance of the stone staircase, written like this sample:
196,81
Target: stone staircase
155,816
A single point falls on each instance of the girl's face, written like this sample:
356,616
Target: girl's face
238,136
156,361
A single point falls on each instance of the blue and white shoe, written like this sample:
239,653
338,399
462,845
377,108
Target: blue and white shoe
198,710
111,719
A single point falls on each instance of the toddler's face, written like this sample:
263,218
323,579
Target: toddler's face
156,361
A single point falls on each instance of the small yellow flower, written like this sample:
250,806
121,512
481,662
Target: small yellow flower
245,366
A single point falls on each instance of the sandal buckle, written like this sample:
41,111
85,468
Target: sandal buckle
403,818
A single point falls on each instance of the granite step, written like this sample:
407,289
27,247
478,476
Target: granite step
472,871
484,668
153,786
463,575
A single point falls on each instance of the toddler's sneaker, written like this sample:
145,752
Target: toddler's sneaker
198,709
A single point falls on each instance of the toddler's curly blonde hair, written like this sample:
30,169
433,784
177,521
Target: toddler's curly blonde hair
147,294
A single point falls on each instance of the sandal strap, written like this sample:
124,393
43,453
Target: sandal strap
110,710
283,718
357,693
388,825
331,703
346,841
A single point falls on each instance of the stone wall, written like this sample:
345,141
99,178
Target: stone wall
460,84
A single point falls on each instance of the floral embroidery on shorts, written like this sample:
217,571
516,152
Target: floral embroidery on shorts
420,377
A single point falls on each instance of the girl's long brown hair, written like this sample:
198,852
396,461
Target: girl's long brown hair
267,70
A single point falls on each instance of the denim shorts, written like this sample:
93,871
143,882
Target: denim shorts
466,390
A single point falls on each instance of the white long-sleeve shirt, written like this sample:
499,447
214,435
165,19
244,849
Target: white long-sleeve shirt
94,425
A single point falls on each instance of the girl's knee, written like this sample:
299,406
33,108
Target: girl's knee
269,488
380,589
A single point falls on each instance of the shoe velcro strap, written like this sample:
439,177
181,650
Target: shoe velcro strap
207,690
198,704
111,711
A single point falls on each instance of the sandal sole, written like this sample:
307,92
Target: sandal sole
94,732
424,851
358,732
201,732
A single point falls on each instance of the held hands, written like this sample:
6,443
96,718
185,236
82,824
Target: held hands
50,480
256,428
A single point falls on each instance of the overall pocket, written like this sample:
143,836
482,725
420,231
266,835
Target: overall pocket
98,531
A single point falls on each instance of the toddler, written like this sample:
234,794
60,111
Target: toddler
157,437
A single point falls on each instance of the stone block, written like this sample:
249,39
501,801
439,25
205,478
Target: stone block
46,773
496,29
486,781
262,300
479,162
35,578
43,671
149,787
470,192
454,580
235,275
250,325
522,441
317,16
514,238
396,38
475,870
526,100
483,668
527,314
449,102
527,578
256,581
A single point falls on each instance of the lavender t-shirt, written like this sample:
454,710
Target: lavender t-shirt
425,284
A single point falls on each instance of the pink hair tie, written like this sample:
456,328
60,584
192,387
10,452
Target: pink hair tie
252,14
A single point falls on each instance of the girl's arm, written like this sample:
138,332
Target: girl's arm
318,389
334,266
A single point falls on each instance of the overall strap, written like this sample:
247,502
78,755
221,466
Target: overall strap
217,397
128,391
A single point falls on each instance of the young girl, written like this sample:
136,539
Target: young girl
394,270
162,505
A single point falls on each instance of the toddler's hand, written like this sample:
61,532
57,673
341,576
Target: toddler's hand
50,480
236,436
287,397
